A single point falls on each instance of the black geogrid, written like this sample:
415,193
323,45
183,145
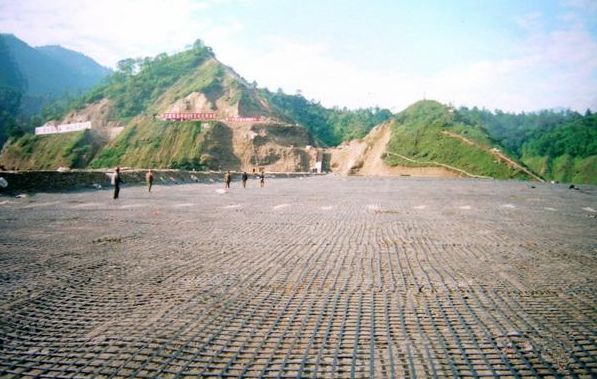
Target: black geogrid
353,301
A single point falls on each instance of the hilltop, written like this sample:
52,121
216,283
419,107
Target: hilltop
127,111
428,139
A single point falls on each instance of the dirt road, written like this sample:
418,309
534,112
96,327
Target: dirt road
315,277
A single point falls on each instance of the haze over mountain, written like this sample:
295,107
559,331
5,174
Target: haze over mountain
33,77
49,71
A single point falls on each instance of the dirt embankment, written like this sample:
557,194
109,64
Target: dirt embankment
269,143
100,115
266,144
365,157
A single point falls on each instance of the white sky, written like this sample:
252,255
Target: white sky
504,54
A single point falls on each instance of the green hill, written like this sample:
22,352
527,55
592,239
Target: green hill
558,145
192,81
330,126
429,134
50,152
567,153
138,97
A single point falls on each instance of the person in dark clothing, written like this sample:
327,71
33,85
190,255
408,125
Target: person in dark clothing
149,180
245,177
227,178
262,179
116,180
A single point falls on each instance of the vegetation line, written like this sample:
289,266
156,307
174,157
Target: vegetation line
440,164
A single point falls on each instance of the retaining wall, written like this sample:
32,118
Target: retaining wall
54,181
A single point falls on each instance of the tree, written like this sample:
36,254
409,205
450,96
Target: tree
10,101
126,66
198,44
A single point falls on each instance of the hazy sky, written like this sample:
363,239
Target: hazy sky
513,55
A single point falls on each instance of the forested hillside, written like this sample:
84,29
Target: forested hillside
431,134
138,83
11,90
556,145
141,87
33,78
86,71
329,126
49,72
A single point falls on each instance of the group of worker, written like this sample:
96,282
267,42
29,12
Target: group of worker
244,178
117,180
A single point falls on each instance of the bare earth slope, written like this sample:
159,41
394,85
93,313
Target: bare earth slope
365,157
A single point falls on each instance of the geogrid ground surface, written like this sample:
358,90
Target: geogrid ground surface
315,277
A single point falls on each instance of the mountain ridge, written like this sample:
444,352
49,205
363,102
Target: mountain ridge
52,70
32,78
248,132
251,127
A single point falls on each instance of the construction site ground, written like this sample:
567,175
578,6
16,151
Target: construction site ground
313,277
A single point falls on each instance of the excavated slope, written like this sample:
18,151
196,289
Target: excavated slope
365,157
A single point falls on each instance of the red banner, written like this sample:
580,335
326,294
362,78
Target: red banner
243,119
204,116
188,116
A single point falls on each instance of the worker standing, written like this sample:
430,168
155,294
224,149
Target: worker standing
116,180
149,180
227,179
